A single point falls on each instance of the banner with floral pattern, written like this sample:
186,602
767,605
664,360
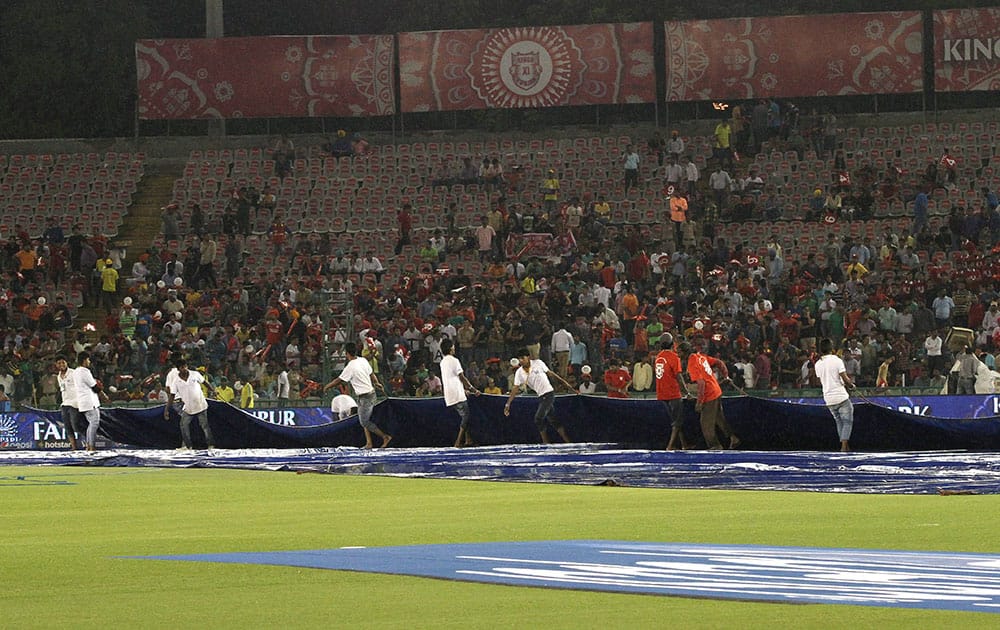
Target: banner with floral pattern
264,77
795,56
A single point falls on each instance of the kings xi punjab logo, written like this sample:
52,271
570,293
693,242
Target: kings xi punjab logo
526,67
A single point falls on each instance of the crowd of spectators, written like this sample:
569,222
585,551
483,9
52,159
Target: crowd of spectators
589,295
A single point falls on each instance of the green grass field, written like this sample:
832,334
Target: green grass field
58,563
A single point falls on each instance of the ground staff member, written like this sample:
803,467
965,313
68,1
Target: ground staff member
833,377
358,372
70,414
454,385
535,375
669,387
87,400
700,371
186,385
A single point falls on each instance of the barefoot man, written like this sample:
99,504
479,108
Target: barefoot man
701,371
358,373
535,375
670,389
455,385
833,375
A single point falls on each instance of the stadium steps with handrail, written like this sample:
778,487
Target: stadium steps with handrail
141,226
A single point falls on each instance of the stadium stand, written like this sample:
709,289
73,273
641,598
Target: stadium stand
285,270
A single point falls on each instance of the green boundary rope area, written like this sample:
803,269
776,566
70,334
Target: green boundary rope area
60,543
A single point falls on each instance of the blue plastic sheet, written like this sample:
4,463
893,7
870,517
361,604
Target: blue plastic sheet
595,464
761,424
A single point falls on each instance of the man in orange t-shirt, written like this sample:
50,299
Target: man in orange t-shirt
617,379
629,311
700,371
678,214
27,260
670,388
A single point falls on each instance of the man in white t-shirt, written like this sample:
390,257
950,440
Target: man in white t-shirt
602,294
70,414
587,385
186,385
87,401
484,239
933,347
832,374
560,346
659,264
533,374
359,374
574,214
171,376
371,264
691,175
749,373
284,387
454,384
343,406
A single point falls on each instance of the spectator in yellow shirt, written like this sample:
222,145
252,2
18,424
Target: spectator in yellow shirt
550,188
109,285
528,285
491,387
602,210
246,396
224,393
723,143
856,266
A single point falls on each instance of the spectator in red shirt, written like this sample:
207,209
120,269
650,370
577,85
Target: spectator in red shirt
274,336
279,234
607,275
405,222
700,370
670,388
617,379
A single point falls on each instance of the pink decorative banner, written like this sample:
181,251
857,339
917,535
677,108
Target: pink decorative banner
531,66
539,244
802,55
967,50
262,77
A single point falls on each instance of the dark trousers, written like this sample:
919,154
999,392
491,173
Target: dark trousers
205,272
71,421
202,417
713,419
404,239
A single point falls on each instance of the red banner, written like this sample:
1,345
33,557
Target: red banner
262,77
803,55
539,244
532,66
967,50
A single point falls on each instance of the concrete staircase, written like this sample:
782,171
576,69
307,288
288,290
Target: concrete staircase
142,223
